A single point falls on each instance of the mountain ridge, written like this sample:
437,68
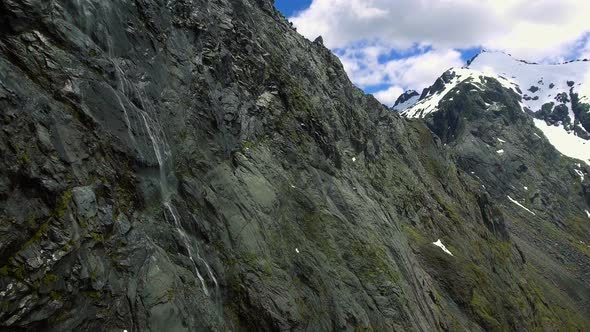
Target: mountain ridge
562,101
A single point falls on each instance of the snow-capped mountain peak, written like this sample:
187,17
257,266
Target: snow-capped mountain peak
539,84
406,100
557,96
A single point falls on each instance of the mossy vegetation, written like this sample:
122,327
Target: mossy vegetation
317,226
63,204
495,305
247,144
97,237
481,307
24,159
5,271
414,234
5,306
38,235
49,279
56,296
94,295
450,208
13,269
373,261
579,227
170,294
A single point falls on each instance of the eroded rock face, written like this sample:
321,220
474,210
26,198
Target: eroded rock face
198,165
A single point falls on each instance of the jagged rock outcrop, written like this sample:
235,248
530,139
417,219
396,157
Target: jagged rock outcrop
198,165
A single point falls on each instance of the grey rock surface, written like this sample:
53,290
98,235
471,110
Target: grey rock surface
197,165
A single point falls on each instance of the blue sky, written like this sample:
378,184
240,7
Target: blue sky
388,46
290,7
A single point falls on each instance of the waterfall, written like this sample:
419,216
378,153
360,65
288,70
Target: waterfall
187,245
209,271
163,154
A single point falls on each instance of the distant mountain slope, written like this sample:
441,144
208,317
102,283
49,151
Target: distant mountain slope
518,147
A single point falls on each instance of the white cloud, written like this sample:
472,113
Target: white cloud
362,64
401,22
585,49
413,72
529,29
389,96
422,70
364,33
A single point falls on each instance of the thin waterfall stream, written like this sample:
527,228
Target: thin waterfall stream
162,153
186,244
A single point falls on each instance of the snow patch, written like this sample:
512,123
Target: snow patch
580,174
297,250
500,151
407,104
501,140
538,84
567,143
353,159
522,206
544,79
461,75
442,246
430,104
588,213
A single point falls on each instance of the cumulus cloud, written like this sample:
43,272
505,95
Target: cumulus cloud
585,48
541,28
362,64
364,33
421,70
401,22
389,95
412,72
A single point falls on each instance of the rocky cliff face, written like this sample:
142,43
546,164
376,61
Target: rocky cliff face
198,165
